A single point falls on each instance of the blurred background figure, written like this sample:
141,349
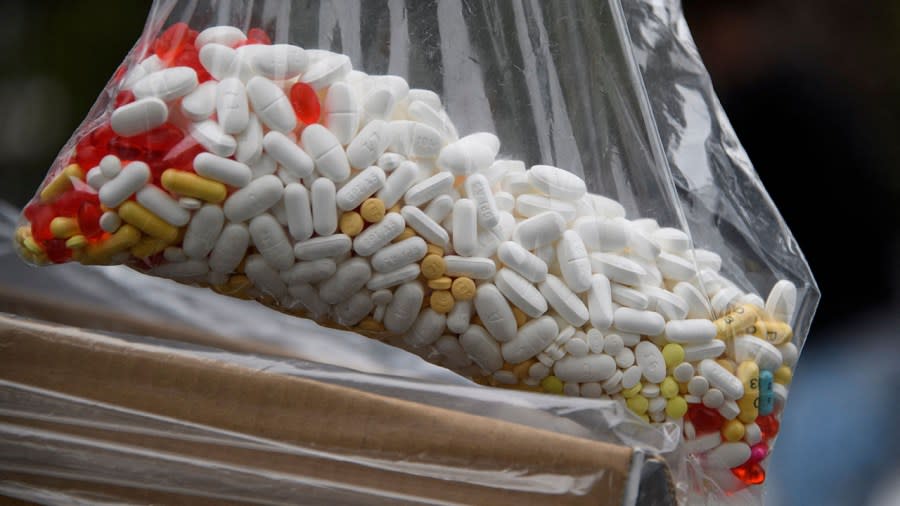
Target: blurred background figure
812,88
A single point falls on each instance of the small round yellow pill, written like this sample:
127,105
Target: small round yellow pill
441,301
668,388
434,249
433,266
673,354
733,430
441,283
406,234
372,210
676,407
76,242
784,375
521,318
463,288
552,384
351,223
638,404
631,392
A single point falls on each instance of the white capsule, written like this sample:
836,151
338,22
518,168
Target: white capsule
399,254
379,235
210,135
466,156
324,209
765,354
350,277
600,302
222,169
342,113
675,267
584,369
264,277
666,303
229,248
782,300
253,199
331,246
479,190
95,178
728,455
203,231
415,140
352,310
789,354
220,61
309,272
495,172
181,270
458,320
139,116
481,348
272,243
556,183
326,151
167,84
264,166
629,297
529,205
642,246
646,323
671,240
134,176
279,61
692,331
110,221
521,293
423,191
574,262
522,261
651,361
397,183
439,208
231,105
698,305
516,183
361,187
505,201
617,268
495,313
288,154
308,297
540,230
297,209
249,142
393,278
697,352
704,443
601,234
404,307
378,105
720,378
564,301
427,328
465,228
472,267
429,229
326,71
271,105
199,104
226,35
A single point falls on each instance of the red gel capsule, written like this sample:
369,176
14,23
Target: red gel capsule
258,36
124,97
191,58
173,41
305,102
57,251
704,419
89,219
768,426
70,202
181,156
750,473
40,216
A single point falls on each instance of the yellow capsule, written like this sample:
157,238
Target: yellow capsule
638,403
148,246
62,227
784,375
122,240
733,430
61,183
748,373
76,242
778,333
732,324
552,384
463,288
676,407
32,246
147,222
188,184
434,249
631,392
406,234
673,354
442,283
351,223
371,324
236,286
441,301
668,388
372,210
433,266
521,318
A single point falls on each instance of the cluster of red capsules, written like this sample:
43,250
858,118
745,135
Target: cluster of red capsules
164,147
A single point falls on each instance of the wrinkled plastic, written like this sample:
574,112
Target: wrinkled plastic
557,83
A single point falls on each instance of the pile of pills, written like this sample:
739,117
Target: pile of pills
279,174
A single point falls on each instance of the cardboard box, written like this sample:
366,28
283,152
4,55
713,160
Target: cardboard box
94,415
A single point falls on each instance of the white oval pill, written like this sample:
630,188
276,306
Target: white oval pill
763,353
422,192
397,183
789,354
600,302
378,105
399,254
698,386
646,323
326,151
397,277
631,376
520,292
427,328
556,183
167,84
134,176
220,61
720,378
696,352
671,240
522,261
465,227
429,229
574,262
210,135
782,300
324,208
539,230
331,246
481,348
342,112
601,234
675,267
222,34
379,235
288,154
529,205
439,208
279,61
253,199
326,71
479,190
584,369
272,243
495,313
352,310
369,144
459,318
297,209
181,270
531,339
415,140
361,187
691,331
203,231
271,105
697,303
230,248
222,169
564,301
617,268
163,205
110,221
472,267
199,104
401,313
139,116
703,443
309,272
350,277
465,156
651,361
231,105
727,455
264,277
729,410
249,142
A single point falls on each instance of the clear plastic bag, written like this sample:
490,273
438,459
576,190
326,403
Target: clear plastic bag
368,171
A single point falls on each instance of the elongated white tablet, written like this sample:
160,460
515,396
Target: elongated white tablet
481,348
697,303
697,352
361,187
221,34
427,328
163,205
466,156
404,308
203,231
693,331
230,248
298,211
253,199
720,378
279,61
600,234
232,109
399,254
675,267
134,176
471,267
465,227
199,104
520,292
379,235
727,455
439,208
617,268
271,105
369,144
557,183
324,209
600,302
522,261
272,243
651,361
309,272
397,183
352,310
564,301
782,300
326,151
222,169
539,230
139,116
460,317
574,262
429,229
629,297
342,112
415,140
308,296
479,190
167,84
422,192
529,205
495,313
326,71
585,369
317,248
350,277
288,154
647,323
382,280
763,353
530,340
264,277
249,142
378,105
210,135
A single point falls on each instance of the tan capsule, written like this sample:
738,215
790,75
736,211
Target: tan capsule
61,183
748,373
734,323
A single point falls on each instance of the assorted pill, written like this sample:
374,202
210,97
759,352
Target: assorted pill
265,172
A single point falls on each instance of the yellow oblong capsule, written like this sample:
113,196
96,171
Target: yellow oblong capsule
188,184
62,227
124,238
778,333
76,242
147,222
61,183
735,322
748,373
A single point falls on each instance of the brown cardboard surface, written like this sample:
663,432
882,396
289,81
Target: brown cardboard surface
304,413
